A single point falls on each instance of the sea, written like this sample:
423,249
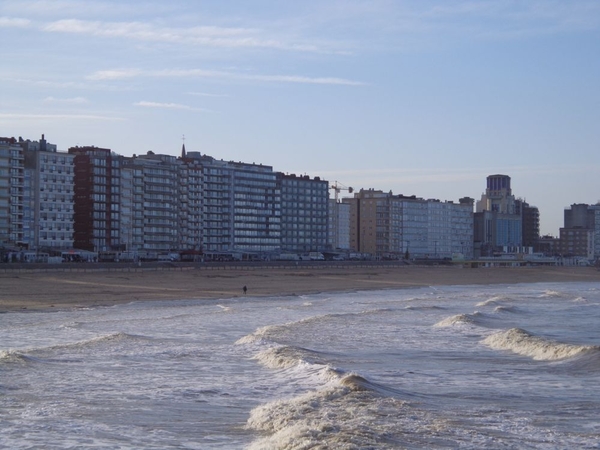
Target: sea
467,367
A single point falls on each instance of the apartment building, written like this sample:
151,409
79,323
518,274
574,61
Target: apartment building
191,209
338,225
241,207
397,226
48,199
580,235
530,221
150,197
97,199
9,155
304,213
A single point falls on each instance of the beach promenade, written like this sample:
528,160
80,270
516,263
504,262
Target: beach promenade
58,288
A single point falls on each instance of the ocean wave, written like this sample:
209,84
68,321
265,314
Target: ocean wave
422,308
524,343
107,338
285,357
506,309
347,415
33,354
492,301
460,319
271,332
13,356
551,294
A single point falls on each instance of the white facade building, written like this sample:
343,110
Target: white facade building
397,226
339,225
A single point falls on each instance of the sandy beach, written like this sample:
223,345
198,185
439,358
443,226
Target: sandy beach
51,290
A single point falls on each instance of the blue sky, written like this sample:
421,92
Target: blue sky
416,97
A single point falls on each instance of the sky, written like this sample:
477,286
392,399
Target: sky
421,97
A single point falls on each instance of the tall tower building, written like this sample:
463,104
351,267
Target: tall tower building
498,225
97,199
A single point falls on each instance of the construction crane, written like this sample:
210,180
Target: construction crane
338,187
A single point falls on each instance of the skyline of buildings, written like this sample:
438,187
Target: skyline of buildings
93,199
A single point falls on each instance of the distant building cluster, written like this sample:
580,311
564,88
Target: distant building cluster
90,202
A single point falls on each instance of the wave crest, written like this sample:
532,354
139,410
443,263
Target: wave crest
524,343
285,357
12,356
459,319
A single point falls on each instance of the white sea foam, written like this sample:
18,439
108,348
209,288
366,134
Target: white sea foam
523,343
344,416
550,294
284,357
492,301
459,319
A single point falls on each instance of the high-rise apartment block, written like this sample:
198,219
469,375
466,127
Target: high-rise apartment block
48,205
396,226
530,222
12,175
97,199
580,235
339,225
304,213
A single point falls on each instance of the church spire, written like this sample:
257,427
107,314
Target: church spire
183,147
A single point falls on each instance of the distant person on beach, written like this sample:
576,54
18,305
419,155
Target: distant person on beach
245,289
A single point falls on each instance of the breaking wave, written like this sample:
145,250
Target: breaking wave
460,319
524,343
492,301
285,357
346,413
13,356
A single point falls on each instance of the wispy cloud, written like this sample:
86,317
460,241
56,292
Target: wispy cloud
73,100
14,22
209,36
146,104
118,74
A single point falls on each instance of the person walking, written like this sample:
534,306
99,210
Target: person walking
245,289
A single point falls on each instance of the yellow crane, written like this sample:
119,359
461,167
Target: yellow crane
338,187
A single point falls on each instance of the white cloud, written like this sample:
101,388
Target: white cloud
200,73
146,104
301,79
74,100
209,36
117,74
14,22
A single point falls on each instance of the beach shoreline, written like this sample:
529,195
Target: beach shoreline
53,290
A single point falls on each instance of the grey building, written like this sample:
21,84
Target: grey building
304,213
48,205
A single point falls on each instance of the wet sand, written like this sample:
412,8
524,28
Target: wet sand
51,290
